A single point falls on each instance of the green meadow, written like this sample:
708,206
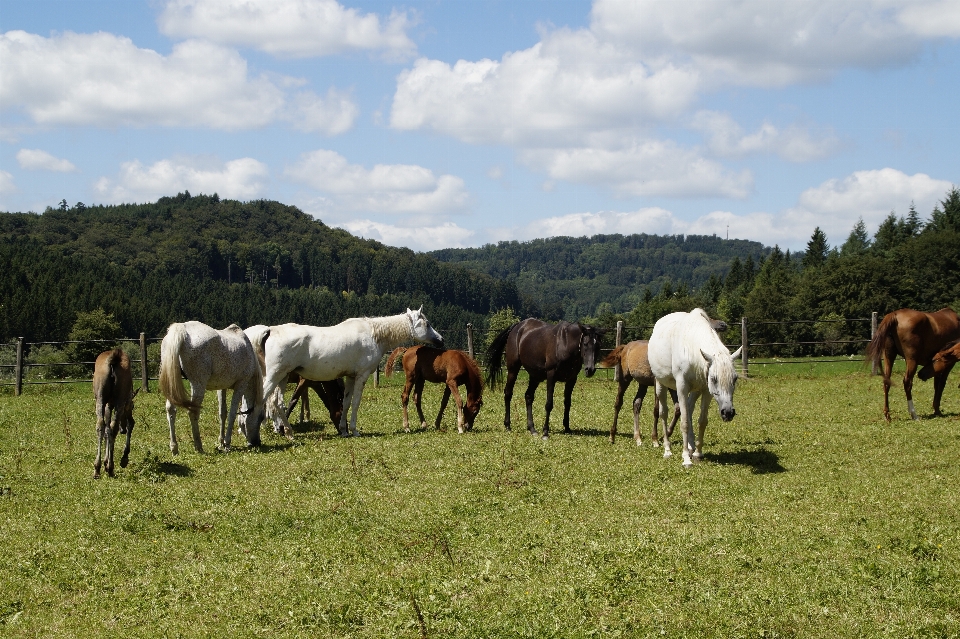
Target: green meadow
809,517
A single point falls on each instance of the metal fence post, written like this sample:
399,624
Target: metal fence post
873,332
616,371
144,377
18,373
743,344
470,340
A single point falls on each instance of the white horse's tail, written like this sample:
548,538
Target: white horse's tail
171,377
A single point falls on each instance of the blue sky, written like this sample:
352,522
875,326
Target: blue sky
445,124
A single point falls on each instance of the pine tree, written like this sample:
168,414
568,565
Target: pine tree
817,249
858,241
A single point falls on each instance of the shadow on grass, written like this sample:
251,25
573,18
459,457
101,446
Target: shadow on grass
172,469
760,461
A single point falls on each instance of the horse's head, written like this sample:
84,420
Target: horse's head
722,380
590,338
421,329
470,410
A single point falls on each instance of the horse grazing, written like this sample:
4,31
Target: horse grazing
113,390
452,368
631,362
687,354
943,362
917,337
352,349
329,392
551,352
214,360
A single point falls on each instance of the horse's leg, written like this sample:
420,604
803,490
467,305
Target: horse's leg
113,420
508,396
238,393
887,371
617,405
344,428
637,405
939,383
687,400
224,439
662,395
453,389
548,406
171,421
125,459
361,379
404,400
273,407
908,386
528,399
197,393
305,405
676,412
567,398
702,425
443,408
99,460
417,399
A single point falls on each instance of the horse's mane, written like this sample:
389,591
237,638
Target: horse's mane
710,342
391,329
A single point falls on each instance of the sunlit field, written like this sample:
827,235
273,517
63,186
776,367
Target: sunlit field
810,517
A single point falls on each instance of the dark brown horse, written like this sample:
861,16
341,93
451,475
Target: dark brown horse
330,393
450,367
551,352
917,337
631,361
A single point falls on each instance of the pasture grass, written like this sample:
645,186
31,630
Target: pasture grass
810,517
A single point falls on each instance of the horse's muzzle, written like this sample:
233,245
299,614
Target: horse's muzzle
727,414
438,343
589,371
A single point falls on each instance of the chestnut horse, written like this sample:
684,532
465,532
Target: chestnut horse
450,367
917,337
551,352
631,362
942,362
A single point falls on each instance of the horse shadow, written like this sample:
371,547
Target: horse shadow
760,462
172,469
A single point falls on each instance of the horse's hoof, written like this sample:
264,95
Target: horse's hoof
174,450
96,475
667,453
545,437
123,462
254,443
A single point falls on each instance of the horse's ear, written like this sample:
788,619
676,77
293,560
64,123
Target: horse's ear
737,353
706,357
420,309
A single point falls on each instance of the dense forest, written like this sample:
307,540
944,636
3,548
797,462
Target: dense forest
221,261
572,277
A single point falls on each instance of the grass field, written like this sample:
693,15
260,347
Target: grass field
810,517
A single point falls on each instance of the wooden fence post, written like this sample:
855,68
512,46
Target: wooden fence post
376,377
616,371
470,340
873,332
18,373
144,376
743,344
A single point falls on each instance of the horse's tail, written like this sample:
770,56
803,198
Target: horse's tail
258,371
171,377
885,332
613,359
388,368
495,356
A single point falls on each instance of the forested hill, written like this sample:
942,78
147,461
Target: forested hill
572,277
219,261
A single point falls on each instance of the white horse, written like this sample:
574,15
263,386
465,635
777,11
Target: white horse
214,360
352,349
686,354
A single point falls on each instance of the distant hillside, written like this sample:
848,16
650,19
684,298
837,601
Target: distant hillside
218,261
570,277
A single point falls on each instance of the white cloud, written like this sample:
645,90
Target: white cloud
7,185
386,188
105,80
37,160
939,18
332,115
418,238
290,28
726,138
644,167
241,179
